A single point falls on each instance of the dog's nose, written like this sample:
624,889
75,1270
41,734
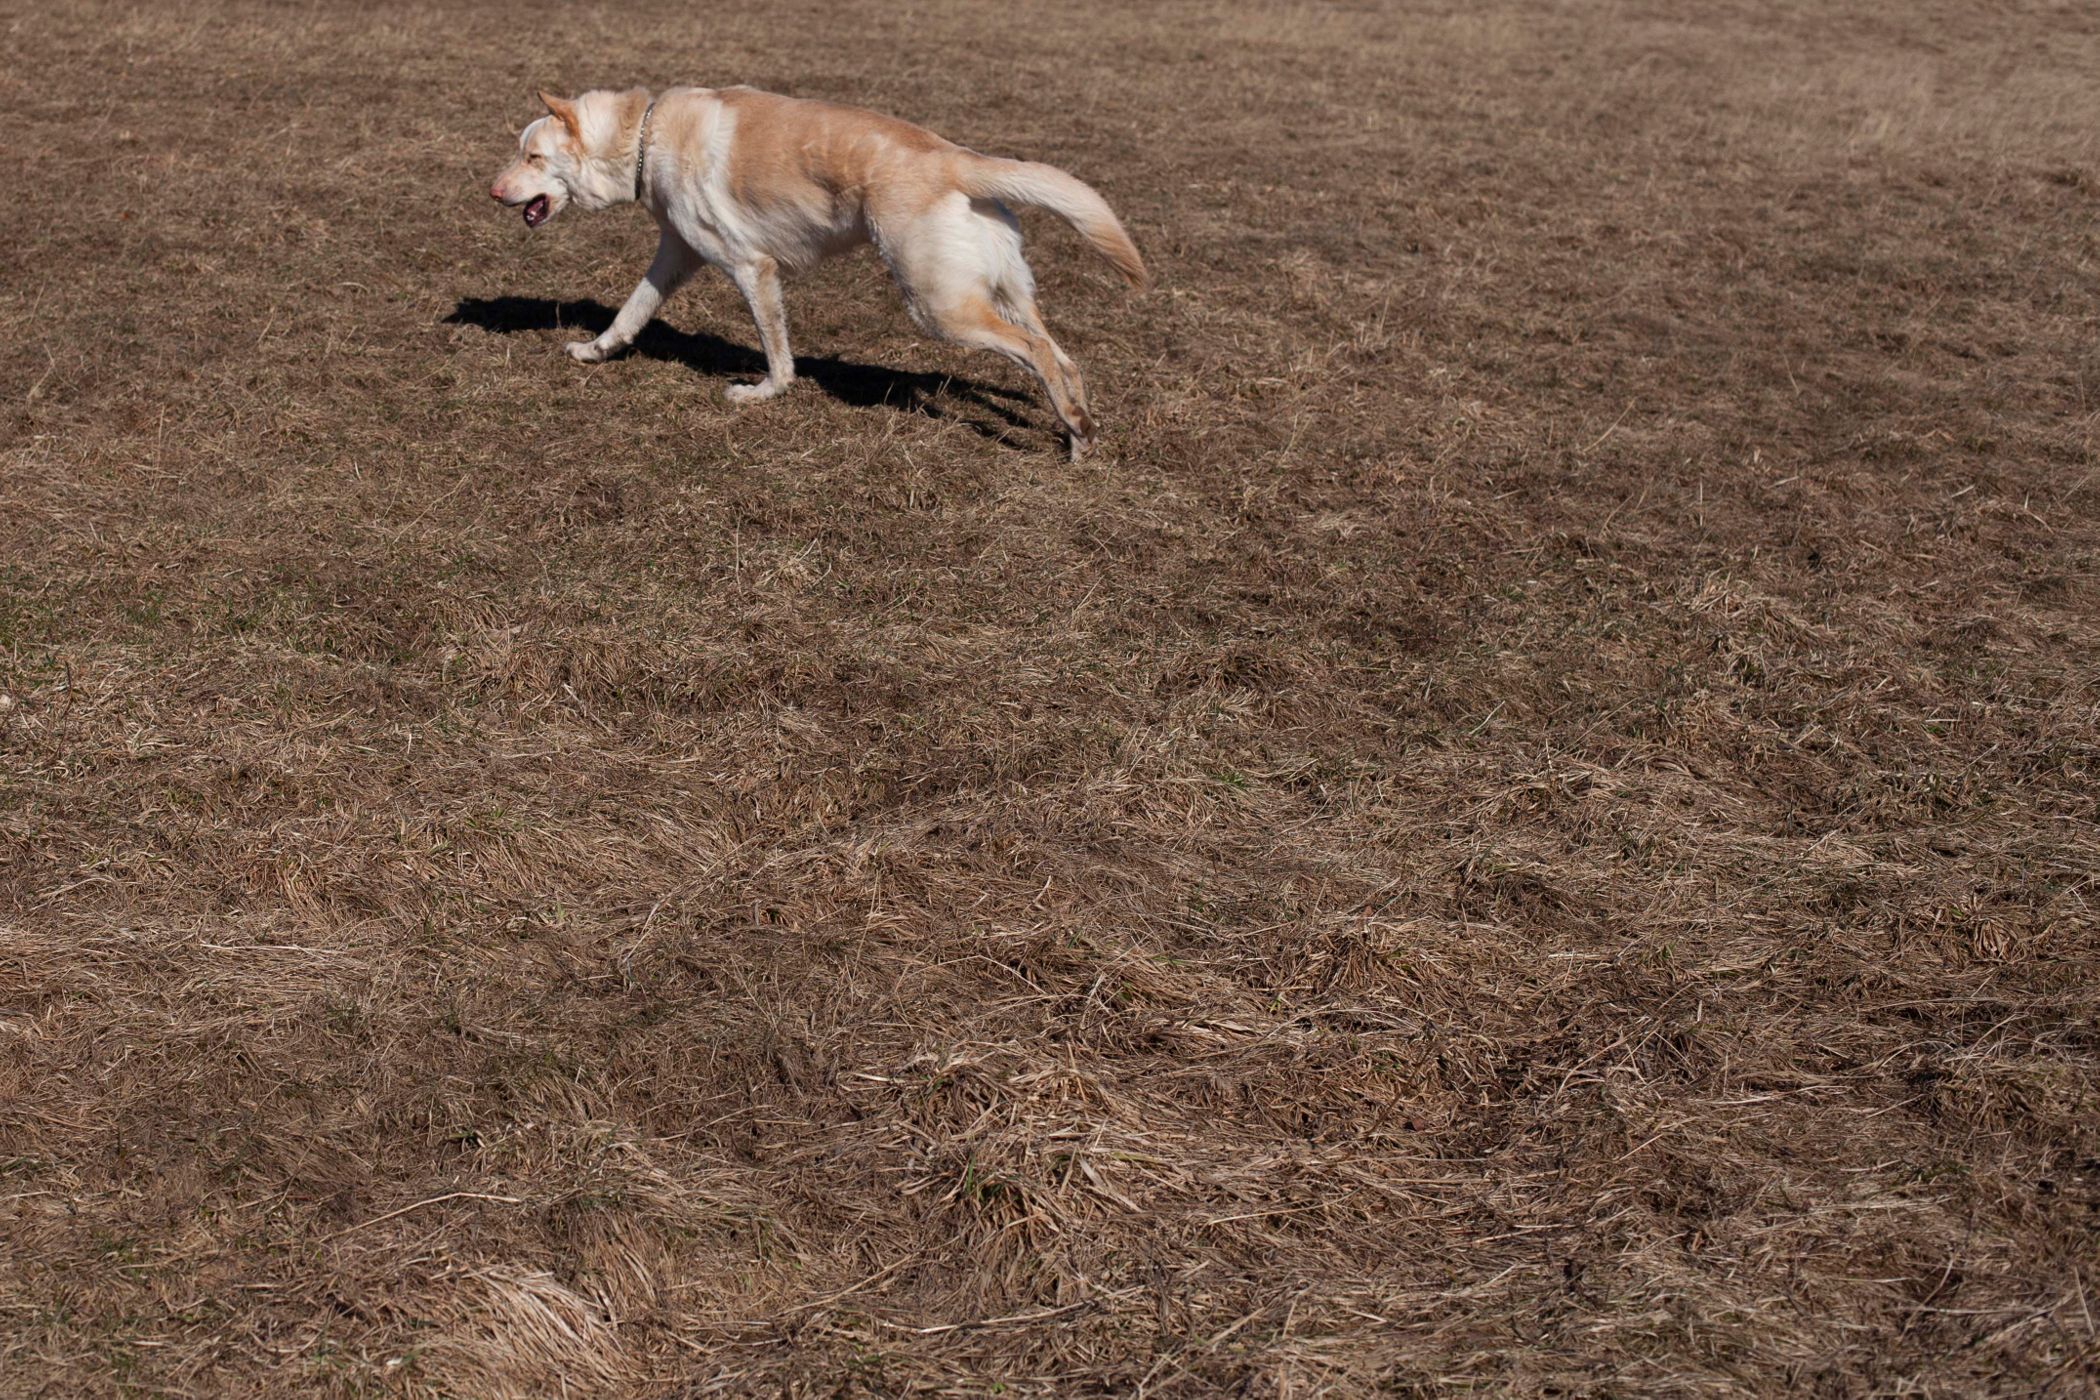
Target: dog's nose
496,193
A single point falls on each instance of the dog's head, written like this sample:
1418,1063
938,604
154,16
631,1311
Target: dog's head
552,167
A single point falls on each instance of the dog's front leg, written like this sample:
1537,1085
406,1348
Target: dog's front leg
759,281
673,264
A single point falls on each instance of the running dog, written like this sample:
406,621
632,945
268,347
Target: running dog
755,184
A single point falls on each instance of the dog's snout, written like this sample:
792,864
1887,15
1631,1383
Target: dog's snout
496,193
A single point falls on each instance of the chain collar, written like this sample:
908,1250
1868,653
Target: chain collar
641,147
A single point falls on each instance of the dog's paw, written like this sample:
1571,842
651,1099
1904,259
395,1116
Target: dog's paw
584,351
1080,446
752,393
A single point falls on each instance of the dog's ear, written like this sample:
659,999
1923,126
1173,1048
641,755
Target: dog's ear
564,112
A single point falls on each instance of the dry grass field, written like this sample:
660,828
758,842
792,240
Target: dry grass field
1526,826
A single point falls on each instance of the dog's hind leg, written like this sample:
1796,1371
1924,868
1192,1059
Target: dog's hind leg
673,264
1017,305
958,262
759,281
975,321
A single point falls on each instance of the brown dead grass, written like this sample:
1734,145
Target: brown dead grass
1528,827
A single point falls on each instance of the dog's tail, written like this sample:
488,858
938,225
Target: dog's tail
1046,187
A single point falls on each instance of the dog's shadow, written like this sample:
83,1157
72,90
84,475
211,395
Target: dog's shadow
863,386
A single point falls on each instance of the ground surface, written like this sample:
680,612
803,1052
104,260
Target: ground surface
1527,824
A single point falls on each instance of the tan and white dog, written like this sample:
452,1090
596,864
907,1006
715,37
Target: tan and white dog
756,184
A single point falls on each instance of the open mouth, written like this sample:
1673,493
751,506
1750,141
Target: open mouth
536,210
